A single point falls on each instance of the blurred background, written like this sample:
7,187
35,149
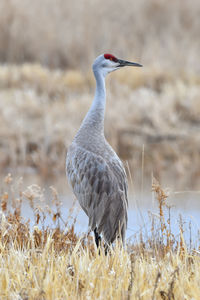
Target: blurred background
46,87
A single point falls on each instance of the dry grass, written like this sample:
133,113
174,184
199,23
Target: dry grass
54,263
41,110
71,34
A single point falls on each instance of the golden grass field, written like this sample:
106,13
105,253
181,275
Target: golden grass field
54,263
152,121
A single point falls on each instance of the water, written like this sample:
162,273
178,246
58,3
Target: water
142,206
139,217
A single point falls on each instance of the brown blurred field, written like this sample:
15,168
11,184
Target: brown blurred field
41,110
60,33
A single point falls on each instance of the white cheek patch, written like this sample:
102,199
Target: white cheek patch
104,65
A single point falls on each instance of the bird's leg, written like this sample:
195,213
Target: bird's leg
98,242
97,238
106,249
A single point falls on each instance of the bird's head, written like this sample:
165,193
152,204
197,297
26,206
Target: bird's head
106,63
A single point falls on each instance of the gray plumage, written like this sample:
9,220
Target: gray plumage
94,170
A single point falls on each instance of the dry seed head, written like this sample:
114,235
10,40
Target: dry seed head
34,191
8,179
4,201
56,199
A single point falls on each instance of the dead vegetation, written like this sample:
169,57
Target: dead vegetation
41,110
72,34
55,263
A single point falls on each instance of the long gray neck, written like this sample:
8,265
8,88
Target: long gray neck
94,119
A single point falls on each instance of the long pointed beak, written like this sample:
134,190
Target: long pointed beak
123,63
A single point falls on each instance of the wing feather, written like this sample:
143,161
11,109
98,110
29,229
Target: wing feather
101,189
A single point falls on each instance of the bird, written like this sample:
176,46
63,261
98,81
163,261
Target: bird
95,172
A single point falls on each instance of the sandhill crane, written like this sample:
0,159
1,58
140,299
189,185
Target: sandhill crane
94,170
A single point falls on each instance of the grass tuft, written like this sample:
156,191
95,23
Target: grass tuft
54,262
